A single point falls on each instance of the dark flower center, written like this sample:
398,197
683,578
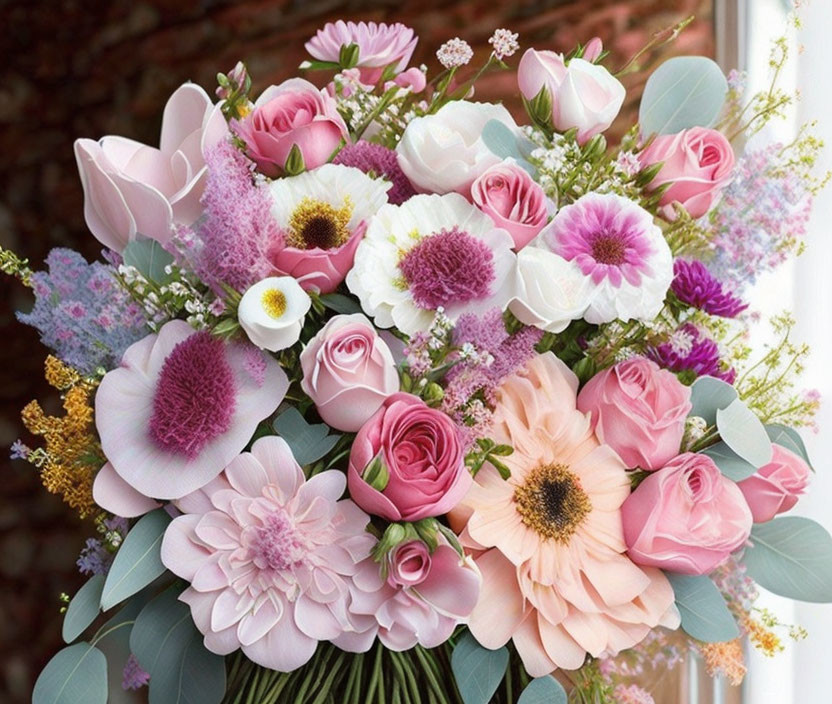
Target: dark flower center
552,502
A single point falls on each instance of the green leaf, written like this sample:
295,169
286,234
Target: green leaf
501,141
477,670
729,462
308,442
76,674
708,395
340,303
319,66
149,257
790,439
376,473
685,91
543,690
83,608
138,561
791,556
744,433
294,162
705,616
169,647
348,56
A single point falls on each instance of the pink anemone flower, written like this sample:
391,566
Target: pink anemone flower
180,407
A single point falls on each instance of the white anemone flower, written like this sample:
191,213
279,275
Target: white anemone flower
272,311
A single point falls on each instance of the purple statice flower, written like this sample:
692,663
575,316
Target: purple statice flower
695,285
763,213
376,160
227,245
689,349
486,355
19,450
133,676
94,558
82,313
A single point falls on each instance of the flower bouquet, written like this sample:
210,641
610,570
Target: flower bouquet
379,396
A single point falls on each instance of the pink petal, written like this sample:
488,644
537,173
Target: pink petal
115,495
180,554
284,648
451,587
184,113
499,609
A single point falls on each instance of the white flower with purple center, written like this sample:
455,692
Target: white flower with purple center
618,246
432,252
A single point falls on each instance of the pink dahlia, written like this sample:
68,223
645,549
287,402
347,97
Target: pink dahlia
549,540
424,598
271,559
180,407
616,243
379,45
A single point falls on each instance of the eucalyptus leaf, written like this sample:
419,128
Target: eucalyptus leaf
168,646
138,561
308,442
729,462
684,92
341,303
83,608
791,556
149,257
705,615
790,439
504,143
744,433
707,395
477,670
543,690
76,674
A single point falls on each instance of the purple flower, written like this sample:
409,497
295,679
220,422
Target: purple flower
81,314
133,677
689,350
694,284
374,159
94,558
19,450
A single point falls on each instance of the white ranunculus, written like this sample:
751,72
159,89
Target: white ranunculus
272,311
443,153
551,292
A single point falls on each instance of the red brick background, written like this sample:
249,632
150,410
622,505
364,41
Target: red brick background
75,68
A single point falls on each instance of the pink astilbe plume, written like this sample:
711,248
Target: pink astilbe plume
227,244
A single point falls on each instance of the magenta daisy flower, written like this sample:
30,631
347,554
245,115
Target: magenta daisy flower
180,407
615,243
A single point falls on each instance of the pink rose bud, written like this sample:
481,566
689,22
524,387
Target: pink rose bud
415,459
639,410
581,94
293,114
687,517
348,371
408,564
776,486
512,199
698,163
593,49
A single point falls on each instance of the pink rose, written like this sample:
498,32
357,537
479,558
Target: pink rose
512,199
697,162
413,452
582,95
408,564
293,113
776,486
348,371
593,49
687,517
132,188
639,410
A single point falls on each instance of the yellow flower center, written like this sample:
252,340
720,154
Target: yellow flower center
552,502
318,225
274,302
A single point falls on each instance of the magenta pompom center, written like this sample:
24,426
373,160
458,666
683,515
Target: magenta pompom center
609,249
195,396
448,268
277,545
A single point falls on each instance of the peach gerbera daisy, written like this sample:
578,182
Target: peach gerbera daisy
549,540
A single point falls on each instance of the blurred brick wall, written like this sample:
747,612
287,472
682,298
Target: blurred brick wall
77,68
